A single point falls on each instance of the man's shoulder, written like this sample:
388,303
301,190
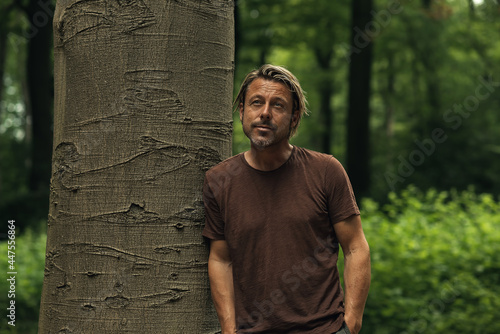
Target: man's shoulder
314,156
229,166
317,161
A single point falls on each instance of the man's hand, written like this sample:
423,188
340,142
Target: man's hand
352,324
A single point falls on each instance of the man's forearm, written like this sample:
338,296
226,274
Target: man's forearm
221,285
357,275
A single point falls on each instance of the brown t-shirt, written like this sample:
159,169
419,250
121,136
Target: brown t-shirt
279,228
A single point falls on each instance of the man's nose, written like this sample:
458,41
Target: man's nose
266,111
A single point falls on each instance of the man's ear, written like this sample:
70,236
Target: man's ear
295,119
241,108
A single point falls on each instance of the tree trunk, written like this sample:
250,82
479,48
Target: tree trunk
325,110
143,94
323,58
472,8
388,99
358,118
3,53
39,103
4,30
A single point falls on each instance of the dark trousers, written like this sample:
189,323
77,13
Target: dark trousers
343,330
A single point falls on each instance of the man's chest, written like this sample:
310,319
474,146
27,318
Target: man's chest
276,207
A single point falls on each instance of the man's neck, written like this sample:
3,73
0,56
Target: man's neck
268,158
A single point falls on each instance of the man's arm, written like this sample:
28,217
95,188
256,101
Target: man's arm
357,273
220,272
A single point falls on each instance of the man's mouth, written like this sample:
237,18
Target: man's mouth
263,127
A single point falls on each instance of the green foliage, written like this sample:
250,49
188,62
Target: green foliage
435,263
427,64
429,71
29,265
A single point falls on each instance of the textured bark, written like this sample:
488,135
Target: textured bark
143,95
358,119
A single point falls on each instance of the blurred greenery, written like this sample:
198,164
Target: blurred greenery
435,262
434,125
29,265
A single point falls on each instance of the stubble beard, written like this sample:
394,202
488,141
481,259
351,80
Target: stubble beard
274,137
262,143
257,142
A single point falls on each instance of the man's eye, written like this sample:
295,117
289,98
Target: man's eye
279,105
256,102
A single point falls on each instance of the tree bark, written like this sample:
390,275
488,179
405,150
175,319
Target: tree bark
358,118
143,94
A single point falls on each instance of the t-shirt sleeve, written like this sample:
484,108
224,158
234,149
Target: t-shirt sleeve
341,200
214,224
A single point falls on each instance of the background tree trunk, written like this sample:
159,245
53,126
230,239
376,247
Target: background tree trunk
39,102
4,31
325,89
143,94
358,118
3,50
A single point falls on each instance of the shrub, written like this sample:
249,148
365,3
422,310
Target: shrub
29,265
435,265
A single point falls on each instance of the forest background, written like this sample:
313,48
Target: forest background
430,181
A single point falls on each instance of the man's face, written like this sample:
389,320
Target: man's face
267,113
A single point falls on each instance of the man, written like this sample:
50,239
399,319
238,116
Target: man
275,216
